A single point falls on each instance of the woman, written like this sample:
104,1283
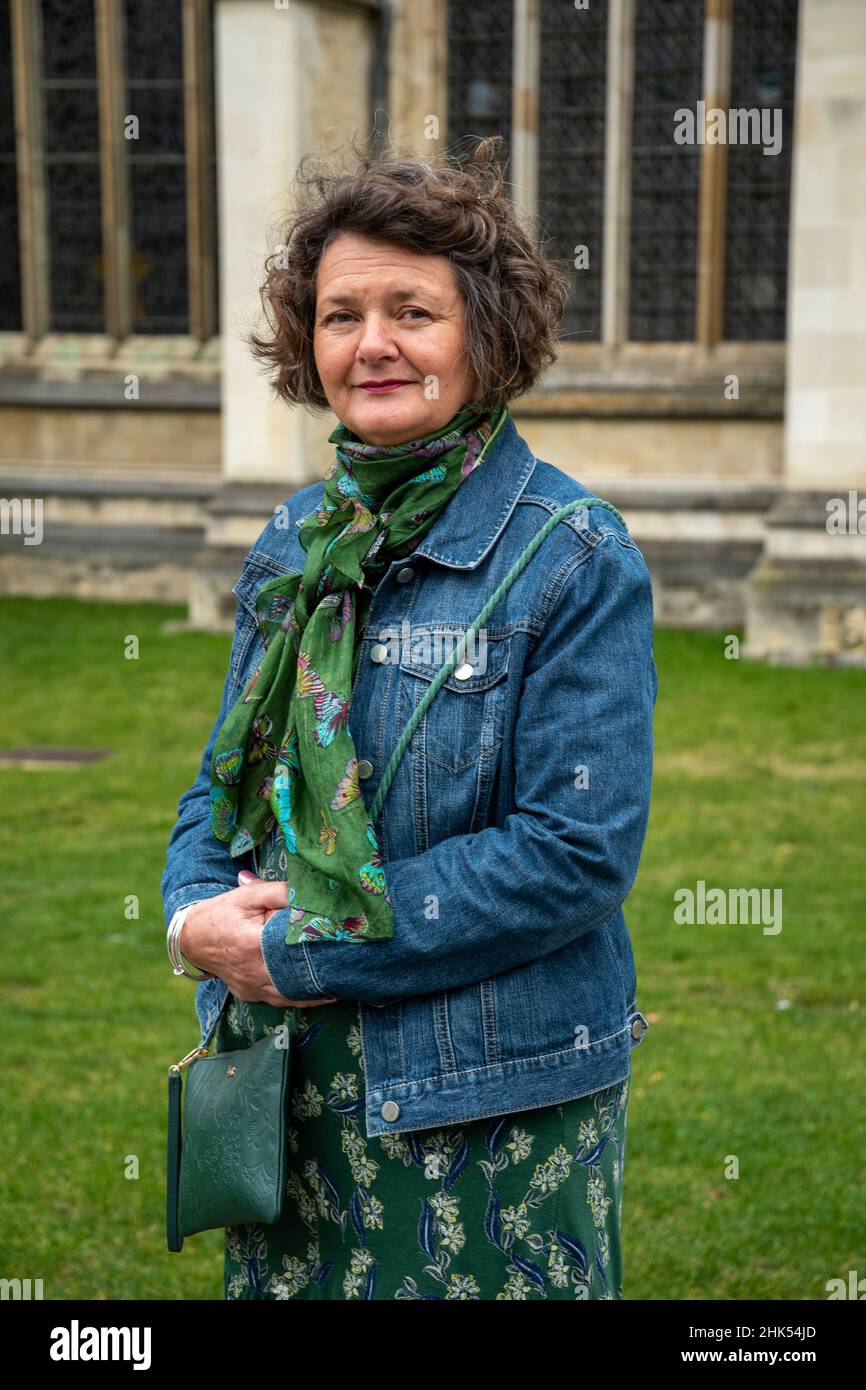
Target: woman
464,1004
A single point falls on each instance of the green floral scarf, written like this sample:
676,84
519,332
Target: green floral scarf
284,753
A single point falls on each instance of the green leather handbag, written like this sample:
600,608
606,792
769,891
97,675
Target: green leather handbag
227,1156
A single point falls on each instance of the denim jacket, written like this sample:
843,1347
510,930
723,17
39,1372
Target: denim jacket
512,831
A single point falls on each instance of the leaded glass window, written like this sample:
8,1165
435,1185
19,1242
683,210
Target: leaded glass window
157,166
70,134
480,42
571,151
109,160
763,64
10,272
668,75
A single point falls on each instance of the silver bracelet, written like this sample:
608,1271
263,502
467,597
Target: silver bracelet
172,940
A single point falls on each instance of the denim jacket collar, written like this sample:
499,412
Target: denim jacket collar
462,535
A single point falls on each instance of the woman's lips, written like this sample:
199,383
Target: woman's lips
387,386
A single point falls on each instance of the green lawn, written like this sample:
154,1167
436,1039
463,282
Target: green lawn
759,783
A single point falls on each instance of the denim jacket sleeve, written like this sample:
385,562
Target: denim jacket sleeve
198,865
475,905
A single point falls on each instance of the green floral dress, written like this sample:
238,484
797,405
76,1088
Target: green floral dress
519,1206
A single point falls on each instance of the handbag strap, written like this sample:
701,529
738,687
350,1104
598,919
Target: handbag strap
459,651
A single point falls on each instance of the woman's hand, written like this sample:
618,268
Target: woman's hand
223,936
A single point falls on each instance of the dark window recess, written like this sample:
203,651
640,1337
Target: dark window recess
157,166
479,48
214,188
73,193
668,75
573,61
10,268
763,65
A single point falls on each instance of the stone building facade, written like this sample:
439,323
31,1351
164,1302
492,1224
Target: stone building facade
701,164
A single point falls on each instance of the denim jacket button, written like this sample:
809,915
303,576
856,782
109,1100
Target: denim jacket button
464,672
390,1110
639,1027
379,653
365,768
403,576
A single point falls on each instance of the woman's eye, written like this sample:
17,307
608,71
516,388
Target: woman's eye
344,314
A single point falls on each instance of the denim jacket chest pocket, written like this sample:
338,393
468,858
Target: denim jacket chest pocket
250,647
454,752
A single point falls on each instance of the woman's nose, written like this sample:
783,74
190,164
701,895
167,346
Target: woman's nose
376,338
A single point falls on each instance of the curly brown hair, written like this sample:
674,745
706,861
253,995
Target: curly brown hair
514,295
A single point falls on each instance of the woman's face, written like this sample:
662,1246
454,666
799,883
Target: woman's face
384,315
